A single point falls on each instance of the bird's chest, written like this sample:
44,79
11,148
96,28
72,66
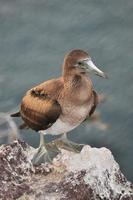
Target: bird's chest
75,114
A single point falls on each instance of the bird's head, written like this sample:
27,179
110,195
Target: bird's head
80,61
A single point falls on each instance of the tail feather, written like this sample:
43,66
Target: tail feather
23,126
17,114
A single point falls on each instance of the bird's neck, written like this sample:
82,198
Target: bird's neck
78,88
77,81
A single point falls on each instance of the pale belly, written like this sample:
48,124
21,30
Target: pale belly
72,117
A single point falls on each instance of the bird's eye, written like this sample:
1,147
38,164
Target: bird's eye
79,63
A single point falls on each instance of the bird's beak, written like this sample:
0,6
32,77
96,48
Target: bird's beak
91,67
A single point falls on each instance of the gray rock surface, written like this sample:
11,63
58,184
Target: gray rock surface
93,174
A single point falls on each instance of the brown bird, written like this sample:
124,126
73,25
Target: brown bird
59,105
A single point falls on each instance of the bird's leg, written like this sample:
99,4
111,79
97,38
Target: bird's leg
45,152
67,144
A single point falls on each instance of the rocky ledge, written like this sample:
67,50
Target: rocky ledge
93,174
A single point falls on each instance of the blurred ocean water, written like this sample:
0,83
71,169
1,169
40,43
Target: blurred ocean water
34,37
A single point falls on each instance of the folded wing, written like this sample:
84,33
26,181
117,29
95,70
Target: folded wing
38,110
95,102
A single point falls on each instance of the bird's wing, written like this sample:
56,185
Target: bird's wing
94,105
39,107
38,110
95,102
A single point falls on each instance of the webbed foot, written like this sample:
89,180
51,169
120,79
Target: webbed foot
67,144
45,152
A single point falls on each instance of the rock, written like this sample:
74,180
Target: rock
93,174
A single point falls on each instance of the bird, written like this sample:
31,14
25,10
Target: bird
59,105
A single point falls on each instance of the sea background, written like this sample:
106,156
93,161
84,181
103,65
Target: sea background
34,37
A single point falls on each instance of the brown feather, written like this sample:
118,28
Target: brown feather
95,102
38,110
17,114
